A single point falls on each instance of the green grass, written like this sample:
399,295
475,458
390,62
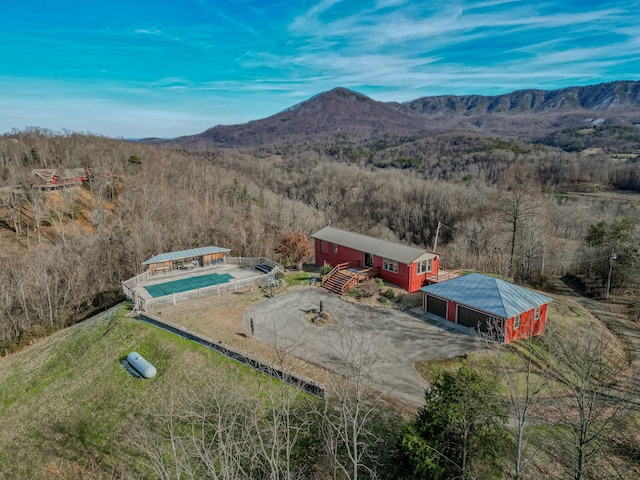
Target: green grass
67,400
300,277
565,317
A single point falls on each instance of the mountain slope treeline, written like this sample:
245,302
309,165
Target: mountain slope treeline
525,115
65,253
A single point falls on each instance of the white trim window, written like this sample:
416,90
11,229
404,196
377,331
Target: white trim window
335,248
536,314
390,265
516,322
425,266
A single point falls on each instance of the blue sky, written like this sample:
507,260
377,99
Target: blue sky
138,68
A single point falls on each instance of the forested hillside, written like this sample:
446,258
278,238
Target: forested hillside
517,209
505,208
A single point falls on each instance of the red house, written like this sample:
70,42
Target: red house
497,308
356,257
49,179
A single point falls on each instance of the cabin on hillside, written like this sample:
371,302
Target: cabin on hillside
356,257
186,259
499,309
55,178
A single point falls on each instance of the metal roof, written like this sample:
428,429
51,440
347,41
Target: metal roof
194,252
363,243
488,294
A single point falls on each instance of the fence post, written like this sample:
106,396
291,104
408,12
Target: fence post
174,298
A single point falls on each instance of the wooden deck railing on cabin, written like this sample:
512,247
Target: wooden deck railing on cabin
337,268
342,277
442,275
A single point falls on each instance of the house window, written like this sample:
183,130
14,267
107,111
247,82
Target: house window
390,265
425,266
536,315
516,322
335,248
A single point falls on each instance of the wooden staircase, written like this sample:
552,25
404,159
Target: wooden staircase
339,283
340,279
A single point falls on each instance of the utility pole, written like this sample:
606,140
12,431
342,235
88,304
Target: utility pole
611,259
435,243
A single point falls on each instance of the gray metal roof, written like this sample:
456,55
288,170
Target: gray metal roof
364,243
488,294
182,254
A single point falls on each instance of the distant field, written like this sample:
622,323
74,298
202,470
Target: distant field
618,196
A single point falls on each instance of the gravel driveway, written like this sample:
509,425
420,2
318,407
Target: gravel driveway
384,344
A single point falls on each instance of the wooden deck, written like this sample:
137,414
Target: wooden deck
442,275
345,276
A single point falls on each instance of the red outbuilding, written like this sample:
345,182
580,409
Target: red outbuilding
356,257
497,308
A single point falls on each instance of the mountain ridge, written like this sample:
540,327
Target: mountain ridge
344,113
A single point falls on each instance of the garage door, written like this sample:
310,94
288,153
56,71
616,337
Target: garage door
473,319
437,306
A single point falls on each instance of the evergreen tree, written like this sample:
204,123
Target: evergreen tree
459,431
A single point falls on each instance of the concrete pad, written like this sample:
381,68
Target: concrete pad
381,344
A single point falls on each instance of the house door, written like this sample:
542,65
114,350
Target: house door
368,260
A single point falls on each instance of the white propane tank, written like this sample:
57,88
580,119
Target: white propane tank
141,365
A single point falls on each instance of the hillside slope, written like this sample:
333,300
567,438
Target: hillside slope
67,403
343,113
322,116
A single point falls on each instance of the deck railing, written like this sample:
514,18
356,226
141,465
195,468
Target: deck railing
442,275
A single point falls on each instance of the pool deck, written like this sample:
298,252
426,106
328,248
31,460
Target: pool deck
238,273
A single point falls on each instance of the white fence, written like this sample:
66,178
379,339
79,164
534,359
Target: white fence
175,298
128,286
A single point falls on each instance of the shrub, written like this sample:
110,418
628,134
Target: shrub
368,288
272,284
389,293
380,283
324,269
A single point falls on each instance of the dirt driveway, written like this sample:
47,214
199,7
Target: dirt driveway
383,344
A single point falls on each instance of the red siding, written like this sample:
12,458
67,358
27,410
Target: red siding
406,278
452,308
415,280
528,326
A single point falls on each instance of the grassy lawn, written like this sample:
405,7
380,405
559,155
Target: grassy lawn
68,401
550,439
565,317
301,277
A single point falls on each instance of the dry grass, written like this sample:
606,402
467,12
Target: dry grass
67,400
220,317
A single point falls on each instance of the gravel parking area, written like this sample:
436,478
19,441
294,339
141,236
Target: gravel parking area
382,343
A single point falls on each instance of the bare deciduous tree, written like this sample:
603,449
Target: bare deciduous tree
594,371
524,370
519,203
